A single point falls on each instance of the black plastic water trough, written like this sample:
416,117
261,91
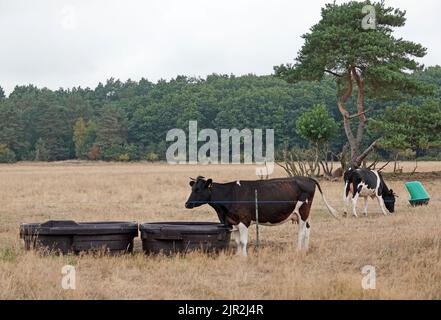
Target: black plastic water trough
69,236
181,237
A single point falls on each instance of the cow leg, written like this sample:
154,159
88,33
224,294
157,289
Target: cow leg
236,238
243,239
365,206
306,236
346,199
301,235
382,206
235,234
354,204
304,227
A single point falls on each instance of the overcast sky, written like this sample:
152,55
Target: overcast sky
58,43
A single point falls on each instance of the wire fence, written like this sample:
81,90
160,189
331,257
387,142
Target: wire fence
51,203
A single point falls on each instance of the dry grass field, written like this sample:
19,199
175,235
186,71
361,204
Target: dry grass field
405,248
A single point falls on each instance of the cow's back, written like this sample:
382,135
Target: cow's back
276,197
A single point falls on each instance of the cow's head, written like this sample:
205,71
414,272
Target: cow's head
200,192
389,199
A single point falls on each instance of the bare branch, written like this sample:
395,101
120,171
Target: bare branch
333,73
359,114
384,166
365,153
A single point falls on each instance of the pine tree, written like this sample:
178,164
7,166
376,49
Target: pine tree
368,59
12,129
41,153
112,127
52,126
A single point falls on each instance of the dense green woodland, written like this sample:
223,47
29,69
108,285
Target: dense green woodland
129,120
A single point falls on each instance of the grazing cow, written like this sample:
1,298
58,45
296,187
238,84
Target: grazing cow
367,183
279,200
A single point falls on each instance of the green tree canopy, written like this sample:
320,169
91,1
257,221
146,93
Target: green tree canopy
414,127
370,59
317,125
133,120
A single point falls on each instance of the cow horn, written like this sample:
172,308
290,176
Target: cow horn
192,179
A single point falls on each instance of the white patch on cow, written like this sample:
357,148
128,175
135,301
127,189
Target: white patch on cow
243,240
365,191
296,210
238,183
377,187
297,207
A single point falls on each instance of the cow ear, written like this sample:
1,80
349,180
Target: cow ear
191,183
208,183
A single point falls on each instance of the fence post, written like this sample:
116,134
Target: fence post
257,220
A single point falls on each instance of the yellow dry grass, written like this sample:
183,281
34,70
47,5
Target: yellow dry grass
404,248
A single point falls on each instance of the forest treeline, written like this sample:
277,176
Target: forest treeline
128,121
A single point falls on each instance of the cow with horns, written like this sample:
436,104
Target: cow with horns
365,183
279,201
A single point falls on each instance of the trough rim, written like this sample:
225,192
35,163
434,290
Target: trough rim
182,227
72,228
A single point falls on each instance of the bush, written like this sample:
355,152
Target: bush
124,157
110,152
6,154
151,156
132,151
116,152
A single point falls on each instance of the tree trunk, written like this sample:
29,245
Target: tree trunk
355,141
396,163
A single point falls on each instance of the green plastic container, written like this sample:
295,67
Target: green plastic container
418,195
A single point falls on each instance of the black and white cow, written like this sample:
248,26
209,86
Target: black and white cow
279,200
367,183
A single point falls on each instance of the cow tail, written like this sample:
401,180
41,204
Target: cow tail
330,209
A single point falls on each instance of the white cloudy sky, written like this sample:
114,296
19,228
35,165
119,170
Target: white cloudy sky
59,43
